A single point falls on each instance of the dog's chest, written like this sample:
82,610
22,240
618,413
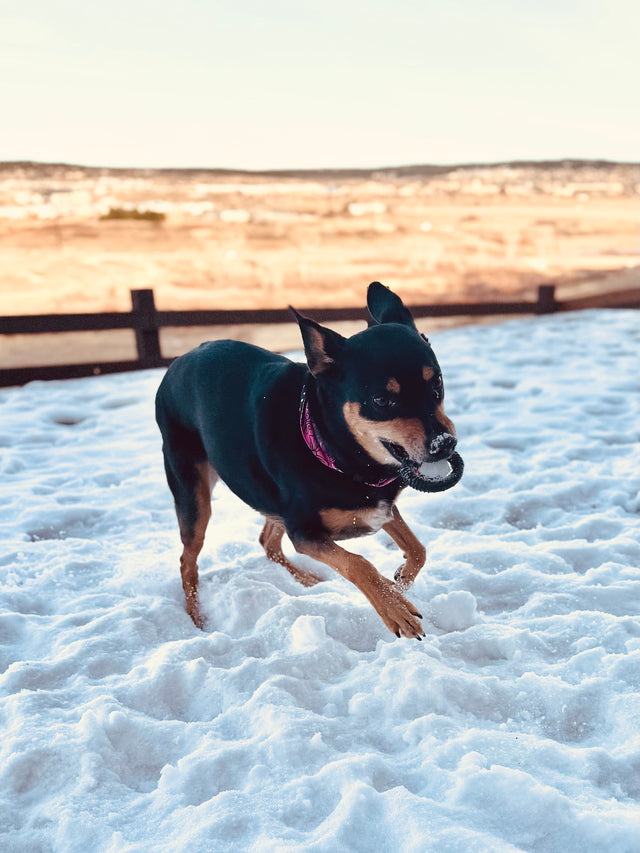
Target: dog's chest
349,523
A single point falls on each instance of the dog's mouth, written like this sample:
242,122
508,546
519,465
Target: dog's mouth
427,476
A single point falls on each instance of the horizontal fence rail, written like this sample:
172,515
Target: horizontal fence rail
146,321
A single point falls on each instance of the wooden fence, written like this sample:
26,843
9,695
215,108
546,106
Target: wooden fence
146,321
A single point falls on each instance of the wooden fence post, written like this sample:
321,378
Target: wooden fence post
146,327
546,303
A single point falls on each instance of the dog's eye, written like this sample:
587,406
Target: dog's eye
385,402
437,389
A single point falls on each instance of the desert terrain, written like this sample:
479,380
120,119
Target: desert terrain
215,239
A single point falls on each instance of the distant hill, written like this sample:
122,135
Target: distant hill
50,170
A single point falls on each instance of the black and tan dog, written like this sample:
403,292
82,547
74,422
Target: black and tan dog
322,453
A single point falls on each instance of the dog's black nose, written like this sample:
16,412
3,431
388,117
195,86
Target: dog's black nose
442,446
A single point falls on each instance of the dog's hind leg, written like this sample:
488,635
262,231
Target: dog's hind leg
193,526
271,541
413,550
191,483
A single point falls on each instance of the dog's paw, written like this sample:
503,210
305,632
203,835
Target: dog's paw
400,616
309,579
401,583
302,576
193,610
408,571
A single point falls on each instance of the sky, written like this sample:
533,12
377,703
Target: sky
320,84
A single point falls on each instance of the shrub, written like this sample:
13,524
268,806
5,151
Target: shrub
134,213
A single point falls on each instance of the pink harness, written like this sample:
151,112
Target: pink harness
316,445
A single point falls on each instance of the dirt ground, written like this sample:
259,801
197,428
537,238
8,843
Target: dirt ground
311,240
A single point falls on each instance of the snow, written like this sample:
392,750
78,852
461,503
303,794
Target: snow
435,470
299,723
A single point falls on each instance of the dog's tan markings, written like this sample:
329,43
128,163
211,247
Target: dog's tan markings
413,550
271,541
427,373
399,615
348,524
393,386
193,539
407,432
444,420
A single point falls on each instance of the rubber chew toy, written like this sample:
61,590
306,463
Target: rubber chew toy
433,476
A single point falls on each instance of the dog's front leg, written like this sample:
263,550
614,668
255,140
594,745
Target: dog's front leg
414,552
399,615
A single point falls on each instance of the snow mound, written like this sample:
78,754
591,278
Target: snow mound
453,611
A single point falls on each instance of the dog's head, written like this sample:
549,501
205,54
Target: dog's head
387,384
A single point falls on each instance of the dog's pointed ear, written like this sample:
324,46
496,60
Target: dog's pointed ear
322,347
385,307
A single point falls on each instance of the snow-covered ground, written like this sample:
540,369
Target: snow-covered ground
299,723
